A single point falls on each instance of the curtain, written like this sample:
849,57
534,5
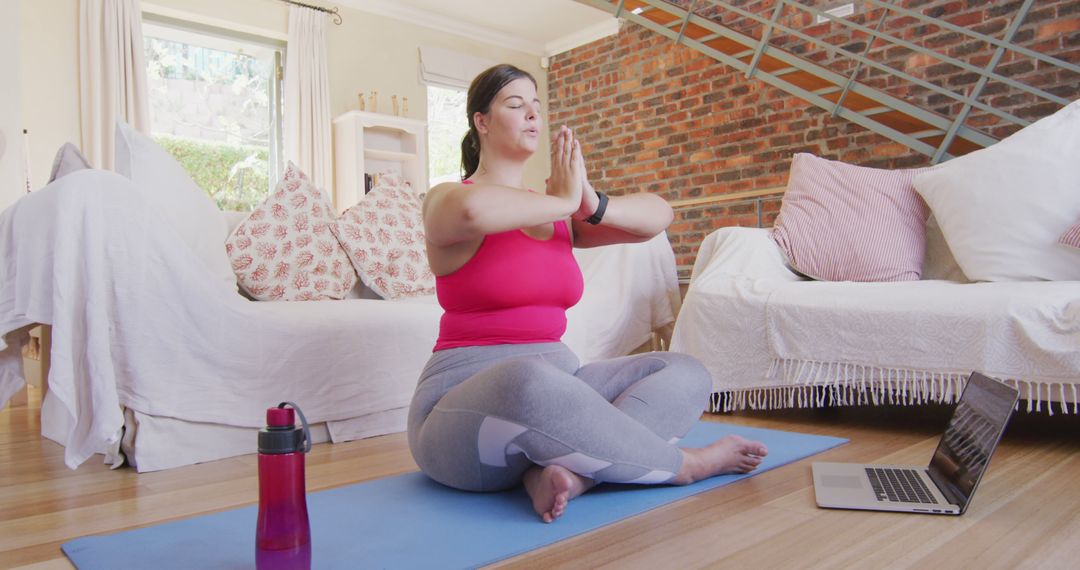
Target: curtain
112,75
307,97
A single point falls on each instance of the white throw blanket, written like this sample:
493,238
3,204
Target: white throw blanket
139,323
766,335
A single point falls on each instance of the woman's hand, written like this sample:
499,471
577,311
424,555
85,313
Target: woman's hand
567,168
589,200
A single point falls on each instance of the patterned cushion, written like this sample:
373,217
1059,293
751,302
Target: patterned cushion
285,250
1071,237
840,222
383,235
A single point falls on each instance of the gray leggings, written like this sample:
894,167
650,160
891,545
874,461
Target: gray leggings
482,415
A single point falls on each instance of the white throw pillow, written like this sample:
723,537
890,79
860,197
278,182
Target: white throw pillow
68,159
1002,209
182,203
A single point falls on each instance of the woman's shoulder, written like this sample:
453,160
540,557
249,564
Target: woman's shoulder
439,190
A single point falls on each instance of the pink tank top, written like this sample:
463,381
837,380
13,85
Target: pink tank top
514,290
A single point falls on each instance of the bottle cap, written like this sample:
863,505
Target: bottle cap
280,417
281,434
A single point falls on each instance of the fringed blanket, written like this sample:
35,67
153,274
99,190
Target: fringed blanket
774,341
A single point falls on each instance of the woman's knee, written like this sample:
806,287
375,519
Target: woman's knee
689,371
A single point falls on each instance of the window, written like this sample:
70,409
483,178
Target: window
447,125
215,105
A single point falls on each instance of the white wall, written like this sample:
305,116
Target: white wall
375,53
49,79
367,52
11,156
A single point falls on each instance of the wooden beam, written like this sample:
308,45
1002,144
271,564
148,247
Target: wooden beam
729,197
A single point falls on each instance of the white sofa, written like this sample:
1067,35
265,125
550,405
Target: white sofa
152,354
1002,216
773,339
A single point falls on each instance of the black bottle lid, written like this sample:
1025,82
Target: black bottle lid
281,435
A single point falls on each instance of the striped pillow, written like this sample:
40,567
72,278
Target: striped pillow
840,222
1071,237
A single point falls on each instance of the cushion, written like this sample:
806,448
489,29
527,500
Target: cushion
1071,237
384,238
840,222
183,204
68,159
940,263
285,251
1003,209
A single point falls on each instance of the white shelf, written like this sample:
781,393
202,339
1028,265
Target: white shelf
369,143
378,154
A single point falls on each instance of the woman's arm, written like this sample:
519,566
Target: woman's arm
456,212
627,219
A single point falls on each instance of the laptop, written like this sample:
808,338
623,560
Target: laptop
948,483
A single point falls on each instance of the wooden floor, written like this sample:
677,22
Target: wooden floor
1026,513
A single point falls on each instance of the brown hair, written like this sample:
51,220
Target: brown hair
482,92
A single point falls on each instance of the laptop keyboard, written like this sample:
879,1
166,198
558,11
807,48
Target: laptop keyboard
899,485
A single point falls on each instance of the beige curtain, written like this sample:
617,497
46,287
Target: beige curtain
307,97
112,75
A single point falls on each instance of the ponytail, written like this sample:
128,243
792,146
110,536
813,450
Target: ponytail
470,152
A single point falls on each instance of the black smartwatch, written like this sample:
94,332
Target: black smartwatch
599,213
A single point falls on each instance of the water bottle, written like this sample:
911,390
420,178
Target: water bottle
283,534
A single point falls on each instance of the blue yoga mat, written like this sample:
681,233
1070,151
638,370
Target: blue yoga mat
409,521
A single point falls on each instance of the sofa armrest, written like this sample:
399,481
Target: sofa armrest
741,252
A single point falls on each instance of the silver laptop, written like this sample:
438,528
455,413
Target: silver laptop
947,484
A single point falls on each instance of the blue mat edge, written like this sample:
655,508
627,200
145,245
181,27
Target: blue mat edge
75,547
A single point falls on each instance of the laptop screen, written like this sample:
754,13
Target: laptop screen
973,434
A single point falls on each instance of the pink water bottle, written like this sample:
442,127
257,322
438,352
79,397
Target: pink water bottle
283,531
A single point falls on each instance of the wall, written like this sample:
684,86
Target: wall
11,155
367,52
48,80
361,61
666,119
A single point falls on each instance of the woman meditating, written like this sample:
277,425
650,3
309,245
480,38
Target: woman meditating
502,401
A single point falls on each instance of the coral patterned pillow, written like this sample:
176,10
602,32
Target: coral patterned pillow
384,237
841,222
285,250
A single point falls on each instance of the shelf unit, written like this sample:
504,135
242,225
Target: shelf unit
372,143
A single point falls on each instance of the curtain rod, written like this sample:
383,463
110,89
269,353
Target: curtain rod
332,11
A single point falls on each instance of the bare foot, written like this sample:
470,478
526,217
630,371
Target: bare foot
552,487
731,454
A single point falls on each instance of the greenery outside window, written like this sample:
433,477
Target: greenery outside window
447,125
215,105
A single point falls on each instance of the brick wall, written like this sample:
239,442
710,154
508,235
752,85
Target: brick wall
657,117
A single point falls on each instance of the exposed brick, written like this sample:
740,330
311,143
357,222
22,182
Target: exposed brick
1059,27
658,117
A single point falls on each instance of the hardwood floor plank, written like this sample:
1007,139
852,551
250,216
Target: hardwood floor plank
1026,512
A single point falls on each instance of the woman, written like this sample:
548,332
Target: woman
502,401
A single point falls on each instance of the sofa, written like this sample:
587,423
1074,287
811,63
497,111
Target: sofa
158,359
884,286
